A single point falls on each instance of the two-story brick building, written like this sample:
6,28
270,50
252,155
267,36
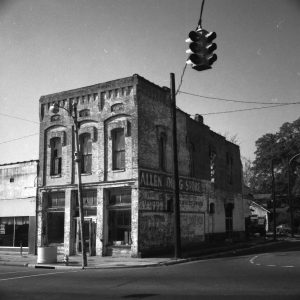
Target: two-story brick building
127,165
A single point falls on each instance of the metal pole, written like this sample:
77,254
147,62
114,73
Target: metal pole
274,202
177,238
78,165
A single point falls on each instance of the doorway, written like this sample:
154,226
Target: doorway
89,236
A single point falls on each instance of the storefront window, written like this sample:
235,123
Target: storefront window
119,217
56,217
14,231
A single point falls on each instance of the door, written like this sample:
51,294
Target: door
89,236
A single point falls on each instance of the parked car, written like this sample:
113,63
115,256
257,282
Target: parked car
283,229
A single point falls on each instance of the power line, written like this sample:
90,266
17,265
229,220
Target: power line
23,137
247,109
181,79
14,117
235,100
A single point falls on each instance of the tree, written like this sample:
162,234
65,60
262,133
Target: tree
279,147
247,170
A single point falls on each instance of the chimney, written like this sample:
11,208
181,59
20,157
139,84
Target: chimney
198,118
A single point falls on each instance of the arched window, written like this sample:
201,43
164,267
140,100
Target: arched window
118,149
86,151
55,144
162,142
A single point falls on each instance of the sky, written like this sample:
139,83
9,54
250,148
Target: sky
49,46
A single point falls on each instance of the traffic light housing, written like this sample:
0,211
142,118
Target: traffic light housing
201,49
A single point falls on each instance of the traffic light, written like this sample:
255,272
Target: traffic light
201,49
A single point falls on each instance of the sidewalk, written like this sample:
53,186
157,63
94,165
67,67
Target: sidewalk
75,261
108,262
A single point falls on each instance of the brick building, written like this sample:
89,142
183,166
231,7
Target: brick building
126,148
18,193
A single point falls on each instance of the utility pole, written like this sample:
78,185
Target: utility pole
274,199
77,159
177,238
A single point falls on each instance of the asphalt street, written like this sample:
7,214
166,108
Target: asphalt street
272,275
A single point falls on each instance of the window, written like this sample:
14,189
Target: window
119,217
14,231
119,227
56,221
162,151
120,197
86,151
55,118
11,179
118,149
89,201
85,113
56,200
56,150
55,217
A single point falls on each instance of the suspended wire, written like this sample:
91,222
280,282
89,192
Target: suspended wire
20,138
10,116
247,109
200,19
181,79
199,26
235,100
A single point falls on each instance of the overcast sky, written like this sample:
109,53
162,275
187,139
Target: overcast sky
49,46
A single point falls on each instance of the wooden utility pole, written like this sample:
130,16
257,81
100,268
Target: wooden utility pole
177,238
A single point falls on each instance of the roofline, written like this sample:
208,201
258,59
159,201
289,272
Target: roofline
259,206
20,162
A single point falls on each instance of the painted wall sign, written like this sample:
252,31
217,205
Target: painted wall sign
165,182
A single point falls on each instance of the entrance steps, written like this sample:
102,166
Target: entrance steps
118,251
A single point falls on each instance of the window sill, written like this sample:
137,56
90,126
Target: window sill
86,174
55,176
118,171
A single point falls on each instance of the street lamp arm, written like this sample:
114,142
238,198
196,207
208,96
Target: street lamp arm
54,108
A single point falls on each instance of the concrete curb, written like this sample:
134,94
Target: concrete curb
105,266
143,265
14,264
